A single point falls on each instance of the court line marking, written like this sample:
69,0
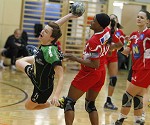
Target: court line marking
25,94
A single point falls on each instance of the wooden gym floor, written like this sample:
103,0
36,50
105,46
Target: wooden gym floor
15,88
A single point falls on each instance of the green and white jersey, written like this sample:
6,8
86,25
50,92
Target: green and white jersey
50,53
46,59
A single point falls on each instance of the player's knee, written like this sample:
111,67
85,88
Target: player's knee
90,106
18,63
69,104
127,100
113,81
138,102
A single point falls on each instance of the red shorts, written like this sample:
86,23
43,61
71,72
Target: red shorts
141,78
110,59
93,80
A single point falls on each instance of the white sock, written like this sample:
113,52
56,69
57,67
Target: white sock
122,116
140,118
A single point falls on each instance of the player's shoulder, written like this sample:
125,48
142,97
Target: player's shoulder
148,31
120,31
134,33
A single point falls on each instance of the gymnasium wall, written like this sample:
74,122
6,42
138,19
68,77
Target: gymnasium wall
10,12
10,16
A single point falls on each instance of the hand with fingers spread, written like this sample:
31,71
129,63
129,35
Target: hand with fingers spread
70,57
55,101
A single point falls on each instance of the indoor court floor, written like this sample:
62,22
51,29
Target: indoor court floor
15,88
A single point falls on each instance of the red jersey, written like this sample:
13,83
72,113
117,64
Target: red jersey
96,48
116,37
140,46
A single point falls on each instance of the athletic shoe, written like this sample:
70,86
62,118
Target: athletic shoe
61,102
110,106
139,122
120,122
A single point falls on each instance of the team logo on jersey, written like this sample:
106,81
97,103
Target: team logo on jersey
141,36
105,38
136,51
38,60
118,33
50,51
133,37
102,40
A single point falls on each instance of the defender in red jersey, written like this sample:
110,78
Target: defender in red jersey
140,47
112,59
91,76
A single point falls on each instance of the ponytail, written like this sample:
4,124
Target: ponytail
112,30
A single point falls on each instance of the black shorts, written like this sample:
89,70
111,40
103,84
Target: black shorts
41,97
129,75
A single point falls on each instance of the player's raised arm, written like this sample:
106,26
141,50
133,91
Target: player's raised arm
77,9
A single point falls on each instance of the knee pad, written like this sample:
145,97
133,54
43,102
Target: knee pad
90,106
127,100
113,81
138,102
69,104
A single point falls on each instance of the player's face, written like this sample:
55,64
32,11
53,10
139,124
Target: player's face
45,35
94,24
141,19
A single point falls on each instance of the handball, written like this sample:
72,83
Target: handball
77,9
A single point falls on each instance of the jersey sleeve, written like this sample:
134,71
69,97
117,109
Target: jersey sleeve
121,35
94,50
129,44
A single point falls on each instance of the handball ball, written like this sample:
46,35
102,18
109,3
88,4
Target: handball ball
77,9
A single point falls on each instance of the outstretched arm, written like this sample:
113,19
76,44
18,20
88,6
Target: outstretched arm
64,19
86,62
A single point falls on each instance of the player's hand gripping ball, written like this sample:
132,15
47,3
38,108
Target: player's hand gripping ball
77,9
